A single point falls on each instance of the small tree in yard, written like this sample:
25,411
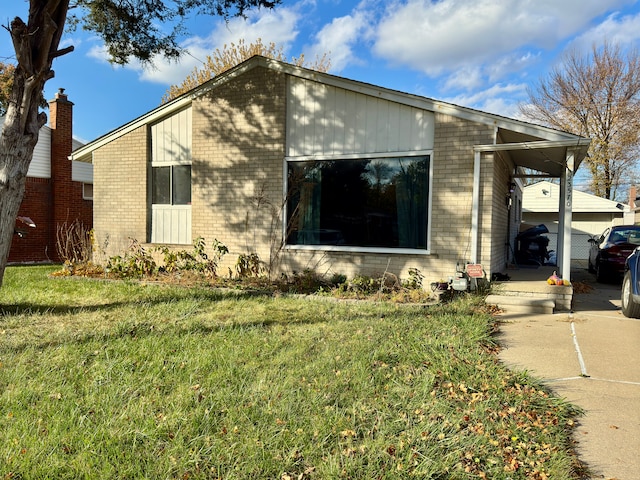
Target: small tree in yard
139,29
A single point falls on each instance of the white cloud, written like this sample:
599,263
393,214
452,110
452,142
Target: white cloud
508,64
615,29
338,38
465,44
466,78
98,52
74,41
499,99
436,37
474,77
277,26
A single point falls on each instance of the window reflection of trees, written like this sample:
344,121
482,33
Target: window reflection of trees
380,202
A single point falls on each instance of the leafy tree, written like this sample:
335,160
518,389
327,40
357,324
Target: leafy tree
234,54
6,82
138,29
7,72
597,96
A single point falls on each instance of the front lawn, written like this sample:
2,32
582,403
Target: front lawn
125,380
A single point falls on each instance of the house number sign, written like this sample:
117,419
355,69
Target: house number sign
569,185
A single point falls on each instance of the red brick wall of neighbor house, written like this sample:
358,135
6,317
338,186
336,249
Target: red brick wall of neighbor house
51,203
35,246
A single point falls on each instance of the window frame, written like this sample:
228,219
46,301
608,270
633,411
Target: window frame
85,188
171,193
155,207
358,249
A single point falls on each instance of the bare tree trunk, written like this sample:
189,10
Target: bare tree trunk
36,46
12,181
16,152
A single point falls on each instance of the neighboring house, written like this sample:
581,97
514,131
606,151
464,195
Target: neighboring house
57,192
591,215
634,204
356,178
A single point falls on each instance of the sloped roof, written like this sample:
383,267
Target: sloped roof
544,158
544,197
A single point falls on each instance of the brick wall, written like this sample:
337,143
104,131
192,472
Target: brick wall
238,146
238,152
54,201
36,245
120,193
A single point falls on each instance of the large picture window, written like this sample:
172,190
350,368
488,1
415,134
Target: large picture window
373,202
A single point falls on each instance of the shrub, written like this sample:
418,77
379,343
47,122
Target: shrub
249,265
414,282
198,260
74,243
136,262
366,285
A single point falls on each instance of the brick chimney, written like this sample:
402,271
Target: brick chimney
60,120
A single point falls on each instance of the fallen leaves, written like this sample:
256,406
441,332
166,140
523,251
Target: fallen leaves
306,473
508,430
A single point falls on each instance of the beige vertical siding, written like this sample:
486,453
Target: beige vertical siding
325,120
171,139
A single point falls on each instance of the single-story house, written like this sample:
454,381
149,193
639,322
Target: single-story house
591,215
314,171
57,191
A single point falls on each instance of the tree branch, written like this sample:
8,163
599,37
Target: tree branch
61,52
19,35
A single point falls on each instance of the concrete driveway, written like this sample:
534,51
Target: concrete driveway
591,357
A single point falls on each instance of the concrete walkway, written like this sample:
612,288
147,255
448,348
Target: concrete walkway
590,357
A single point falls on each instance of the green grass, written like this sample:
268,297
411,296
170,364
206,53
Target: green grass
121,380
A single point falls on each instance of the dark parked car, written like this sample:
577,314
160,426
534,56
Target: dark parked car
609,251
23,226
631,286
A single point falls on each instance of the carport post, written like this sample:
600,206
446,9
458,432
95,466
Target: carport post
475,208
566,215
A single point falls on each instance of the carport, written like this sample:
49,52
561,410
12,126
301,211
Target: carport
557,157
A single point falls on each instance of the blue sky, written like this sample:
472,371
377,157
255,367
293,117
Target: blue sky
477,53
